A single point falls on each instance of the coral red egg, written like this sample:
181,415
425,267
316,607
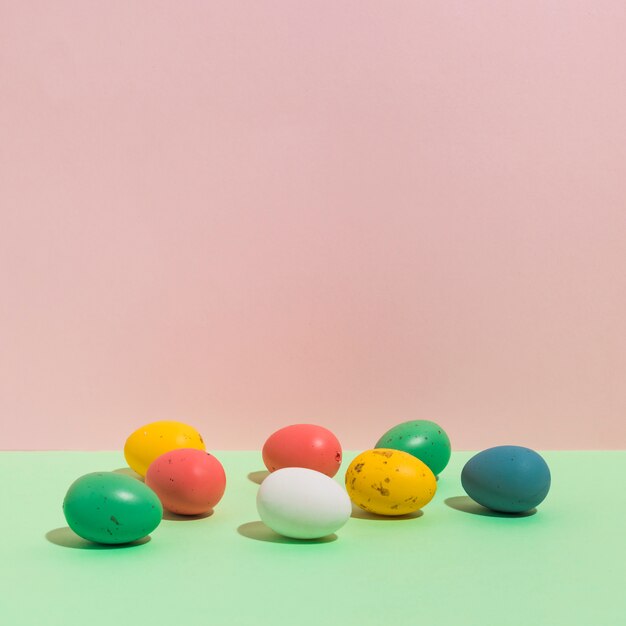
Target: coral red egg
303,445
187,481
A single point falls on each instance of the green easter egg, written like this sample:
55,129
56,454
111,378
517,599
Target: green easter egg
423,439
111,508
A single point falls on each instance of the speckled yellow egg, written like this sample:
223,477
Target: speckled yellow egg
389,482
152,440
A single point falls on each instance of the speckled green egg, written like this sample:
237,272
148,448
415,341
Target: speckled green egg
424,439
111,508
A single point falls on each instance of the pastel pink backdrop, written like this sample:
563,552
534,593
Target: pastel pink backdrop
248,214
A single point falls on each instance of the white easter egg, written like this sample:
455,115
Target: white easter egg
302,503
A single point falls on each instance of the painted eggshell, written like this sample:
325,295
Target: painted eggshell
302,503
424,439
509,479
187,481
303,445
390,482
111,508
152,440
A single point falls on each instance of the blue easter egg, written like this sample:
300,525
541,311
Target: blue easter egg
509,479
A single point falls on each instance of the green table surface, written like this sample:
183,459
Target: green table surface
455,564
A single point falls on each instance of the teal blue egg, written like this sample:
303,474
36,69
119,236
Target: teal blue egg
509,479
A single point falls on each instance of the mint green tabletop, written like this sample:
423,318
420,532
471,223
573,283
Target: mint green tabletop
454,564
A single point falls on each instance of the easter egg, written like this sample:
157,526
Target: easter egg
389,482
154,439
111,508
187,481
302,503
303,445
509,479
423,439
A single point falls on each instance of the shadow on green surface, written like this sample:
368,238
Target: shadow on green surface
258,477
260,532
126,471
359,513
67,538
174,517
467,505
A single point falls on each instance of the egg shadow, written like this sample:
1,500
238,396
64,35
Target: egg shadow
258,477
67,538
126,471
359,513
260,532
466,505
175,517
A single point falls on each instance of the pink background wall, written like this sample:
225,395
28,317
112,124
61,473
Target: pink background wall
247,214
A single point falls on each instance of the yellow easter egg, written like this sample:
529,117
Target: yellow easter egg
154,439
389,482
